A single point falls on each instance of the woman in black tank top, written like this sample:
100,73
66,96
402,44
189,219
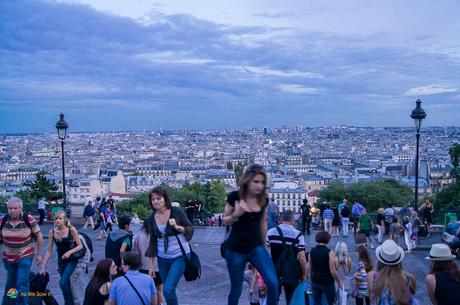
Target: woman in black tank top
246,213
443,282
323,269
67,243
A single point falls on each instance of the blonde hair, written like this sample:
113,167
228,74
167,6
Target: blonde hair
250,172
380,211
64,214
341,251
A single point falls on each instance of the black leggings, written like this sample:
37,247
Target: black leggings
360,301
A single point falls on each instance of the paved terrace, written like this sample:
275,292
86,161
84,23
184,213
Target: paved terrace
214,285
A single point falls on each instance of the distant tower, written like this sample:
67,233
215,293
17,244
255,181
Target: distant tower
265,131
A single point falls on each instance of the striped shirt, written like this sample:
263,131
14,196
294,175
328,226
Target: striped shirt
18,242
361,281
291,236
328,214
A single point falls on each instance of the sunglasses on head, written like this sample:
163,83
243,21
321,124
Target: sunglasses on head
255,168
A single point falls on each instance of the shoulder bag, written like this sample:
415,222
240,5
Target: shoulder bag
192,264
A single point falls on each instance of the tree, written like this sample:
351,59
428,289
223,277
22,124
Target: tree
238,168
449,197
212,196
229,165
138,205
42,188
3,201
454,153
215,201
373,194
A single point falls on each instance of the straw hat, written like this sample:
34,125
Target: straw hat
389,253
440,253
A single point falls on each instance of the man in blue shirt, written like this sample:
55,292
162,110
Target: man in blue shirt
328,215
356,211
133,288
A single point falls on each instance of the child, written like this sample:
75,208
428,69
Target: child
364,267
250,277
408,234
395,230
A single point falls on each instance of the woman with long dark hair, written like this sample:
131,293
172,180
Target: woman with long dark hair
97,291
169,229
246,213
443,282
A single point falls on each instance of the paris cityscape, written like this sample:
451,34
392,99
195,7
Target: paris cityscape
209,152
300,160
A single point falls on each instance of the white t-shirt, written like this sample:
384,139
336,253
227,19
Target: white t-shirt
141,242
173,246
42,204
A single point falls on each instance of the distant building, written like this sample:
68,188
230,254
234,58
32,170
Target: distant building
288,199
439,174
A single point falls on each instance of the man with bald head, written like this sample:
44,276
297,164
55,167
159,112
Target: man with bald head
18,234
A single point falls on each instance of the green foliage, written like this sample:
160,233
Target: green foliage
229,165
238,171
128,207
3,200
449,197
142,211
373,195
212,195
40,188
454,153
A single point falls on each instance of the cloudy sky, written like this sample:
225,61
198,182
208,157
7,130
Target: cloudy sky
146,64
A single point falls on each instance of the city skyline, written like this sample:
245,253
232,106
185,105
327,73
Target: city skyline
146,65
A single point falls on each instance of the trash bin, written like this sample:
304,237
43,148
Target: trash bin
449,217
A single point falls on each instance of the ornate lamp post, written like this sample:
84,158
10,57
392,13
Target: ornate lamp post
61,127
418,114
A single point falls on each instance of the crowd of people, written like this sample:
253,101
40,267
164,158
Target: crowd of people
267,252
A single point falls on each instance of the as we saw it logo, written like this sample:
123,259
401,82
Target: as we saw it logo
12,293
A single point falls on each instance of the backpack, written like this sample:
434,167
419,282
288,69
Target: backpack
88,244
112,248
345,212
287,266
389,217
25,218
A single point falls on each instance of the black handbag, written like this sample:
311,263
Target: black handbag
192,264
224,244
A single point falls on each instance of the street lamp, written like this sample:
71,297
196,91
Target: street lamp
418,114
61,127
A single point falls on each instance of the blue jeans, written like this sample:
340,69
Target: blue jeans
66,268
318,290
259,258
171,270
17,278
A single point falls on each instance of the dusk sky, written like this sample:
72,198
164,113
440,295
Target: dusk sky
114,65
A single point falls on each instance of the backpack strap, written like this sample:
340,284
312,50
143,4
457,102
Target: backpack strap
283,241
25,219
137,292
